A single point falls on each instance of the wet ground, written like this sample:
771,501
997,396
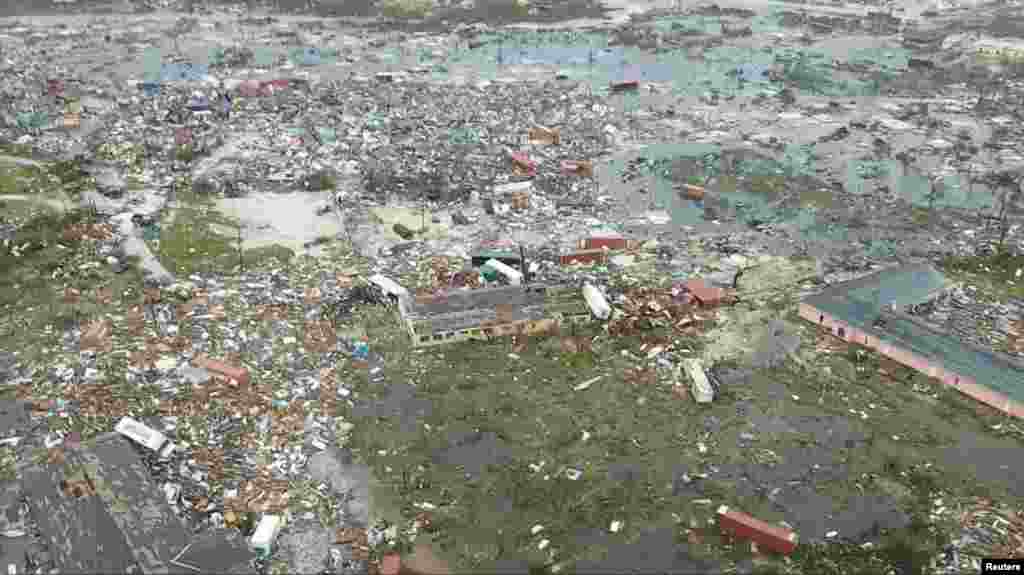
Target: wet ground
775,451
784,459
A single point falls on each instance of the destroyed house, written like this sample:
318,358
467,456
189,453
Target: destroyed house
868,311
490,312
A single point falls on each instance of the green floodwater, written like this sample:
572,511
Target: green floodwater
684,211
751,206
587,56
914,187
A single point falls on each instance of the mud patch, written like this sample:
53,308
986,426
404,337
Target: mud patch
290,220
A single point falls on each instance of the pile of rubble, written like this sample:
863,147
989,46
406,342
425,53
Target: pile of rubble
964,311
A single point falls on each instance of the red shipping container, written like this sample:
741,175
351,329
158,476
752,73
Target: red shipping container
391,564
239,374
523,163
627,86
250,89
612,243
585,257
767,536
182,136
55,87
577,168
705,294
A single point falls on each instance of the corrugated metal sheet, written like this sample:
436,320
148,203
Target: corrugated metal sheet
136,504
80,534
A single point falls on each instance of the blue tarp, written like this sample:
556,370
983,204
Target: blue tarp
149,88
199,104
306,56
752,72
185,71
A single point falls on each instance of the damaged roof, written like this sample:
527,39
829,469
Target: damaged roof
100,512
466,309
898,286
860,302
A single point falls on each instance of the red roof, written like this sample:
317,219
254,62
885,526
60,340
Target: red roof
704,293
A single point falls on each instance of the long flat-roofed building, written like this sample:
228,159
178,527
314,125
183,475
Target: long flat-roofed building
489,312
869,311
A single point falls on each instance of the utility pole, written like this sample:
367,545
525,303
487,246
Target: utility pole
522,265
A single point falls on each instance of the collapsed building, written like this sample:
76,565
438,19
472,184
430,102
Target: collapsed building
870,311
490,312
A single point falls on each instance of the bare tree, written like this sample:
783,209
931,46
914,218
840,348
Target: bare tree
1011,201
936,191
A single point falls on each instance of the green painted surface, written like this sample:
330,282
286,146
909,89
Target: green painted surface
859,304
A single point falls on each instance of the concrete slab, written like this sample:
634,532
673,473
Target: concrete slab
289,220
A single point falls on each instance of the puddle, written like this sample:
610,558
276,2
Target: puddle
288,220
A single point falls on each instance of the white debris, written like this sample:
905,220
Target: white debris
586,384
543,543
623,260
171,492
615,527
266,532
536,529
513,275
597,302
513,188
141,433
388,285
699,386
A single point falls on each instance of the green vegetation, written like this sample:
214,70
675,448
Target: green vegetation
36,264
189,238
256,257
185,153
407,8
321,180
526,404
15,179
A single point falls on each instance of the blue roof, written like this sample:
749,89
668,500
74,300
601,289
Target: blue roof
858,303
